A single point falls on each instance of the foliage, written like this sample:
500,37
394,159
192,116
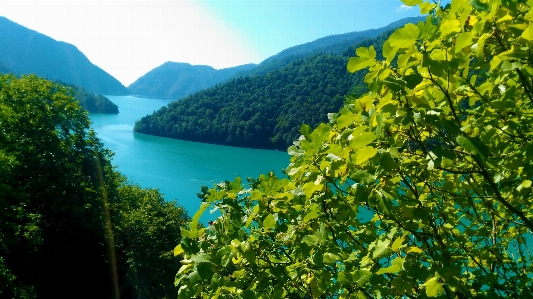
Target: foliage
420,188
261,111
146,230
65,213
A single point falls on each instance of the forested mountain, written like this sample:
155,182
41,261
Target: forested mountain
4,69
262,111
95,103
26,51
332,44
173,80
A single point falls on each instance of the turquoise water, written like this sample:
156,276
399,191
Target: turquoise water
177,168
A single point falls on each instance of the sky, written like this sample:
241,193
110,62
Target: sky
129,38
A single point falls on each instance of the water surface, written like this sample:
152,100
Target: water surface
177,168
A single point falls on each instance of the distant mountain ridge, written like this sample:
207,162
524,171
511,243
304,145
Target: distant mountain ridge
331,44
263,111
25,51
175,80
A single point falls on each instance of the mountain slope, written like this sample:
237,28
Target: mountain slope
91,102
26,51
262,111
332,44
173,80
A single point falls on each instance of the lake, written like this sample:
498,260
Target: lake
177,168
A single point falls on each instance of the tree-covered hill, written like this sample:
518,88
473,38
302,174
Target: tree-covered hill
26,51
261,111
173,80
332,44
4,69
94,103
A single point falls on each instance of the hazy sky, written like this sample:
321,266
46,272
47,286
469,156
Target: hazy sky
129,38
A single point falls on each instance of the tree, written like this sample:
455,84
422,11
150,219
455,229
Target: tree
50,207
146,229
71,226
421,187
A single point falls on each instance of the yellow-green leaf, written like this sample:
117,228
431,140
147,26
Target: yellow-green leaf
358,63
433,287
463,40
528,33
269,222
397,265
404,37
411,2
364,154
178,250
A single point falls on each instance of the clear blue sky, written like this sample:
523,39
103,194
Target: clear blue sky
129,38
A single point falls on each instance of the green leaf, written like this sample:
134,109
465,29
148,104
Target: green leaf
330,258
400,286
362,177
411,2
397,244
404,37
362,140
201,258
528,33
474,146
433,287
178,250
195,218
463,40
381,248
313,212
376,201
364,154
358,63
366,57
312,240
413,80
397,265
249,255
361,277
269,222
205,271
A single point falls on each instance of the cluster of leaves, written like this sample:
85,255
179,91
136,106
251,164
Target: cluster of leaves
261,111
420,188
67,218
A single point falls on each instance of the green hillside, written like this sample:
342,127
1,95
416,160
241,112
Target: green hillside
264,111
173,80
94,103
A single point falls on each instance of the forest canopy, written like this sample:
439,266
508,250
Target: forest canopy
419,188
71,226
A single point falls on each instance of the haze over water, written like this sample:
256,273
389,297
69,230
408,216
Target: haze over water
177,168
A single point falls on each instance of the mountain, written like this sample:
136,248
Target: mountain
263,111
267,110
173,80
332,44
4,69
26,51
